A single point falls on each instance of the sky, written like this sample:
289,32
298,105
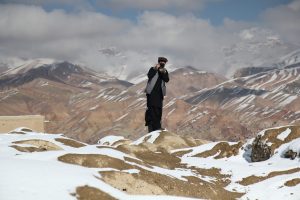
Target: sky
125,37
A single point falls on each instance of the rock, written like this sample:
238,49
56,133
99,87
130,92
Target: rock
260,150
290,154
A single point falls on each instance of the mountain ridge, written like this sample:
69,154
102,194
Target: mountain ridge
198,104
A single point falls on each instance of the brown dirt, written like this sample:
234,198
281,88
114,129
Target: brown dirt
159,157
39,145
28,149
181,153
221,150
271,136
120,142
95,161
170,141
128,159
255,179
17,132
292,182
26,130
91,193
146,182
69,142
221,179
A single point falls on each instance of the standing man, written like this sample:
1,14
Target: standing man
155,92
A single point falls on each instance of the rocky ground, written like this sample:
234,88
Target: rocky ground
159,165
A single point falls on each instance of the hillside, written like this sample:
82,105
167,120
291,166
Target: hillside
52,166
86,105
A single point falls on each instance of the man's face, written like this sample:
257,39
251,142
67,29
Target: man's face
162,63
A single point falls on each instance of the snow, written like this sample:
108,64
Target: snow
153,136
29,64
39,175
138,79
121,117
94,107
110,140
294,146
288,100
45,84
238,167
86,84
284,134
42,178
274,189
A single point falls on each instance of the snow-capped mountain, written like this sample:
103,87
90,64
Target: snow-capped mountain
28,65
198,103
158,165
255,47
63,71
290,60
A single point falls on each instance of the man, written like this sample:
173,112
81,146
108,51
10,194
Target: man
155,92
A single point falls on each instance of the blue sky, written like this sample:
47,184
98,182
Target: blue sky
244,10
214,11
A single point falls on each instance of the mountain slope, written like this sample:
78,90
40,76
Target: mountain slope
198,104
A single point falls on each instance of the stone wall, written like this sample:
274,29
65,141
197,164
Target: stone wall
34,122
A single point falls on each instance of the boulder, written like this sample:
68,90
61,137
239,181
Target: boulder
290,154
260,150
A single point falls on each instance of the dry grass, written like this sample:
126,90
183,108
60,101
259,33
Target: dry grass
221,150
255,179
94,161
271,136
91,193
17,132
181,153
156,156
292,182
151,183
69,142
38,146
170,141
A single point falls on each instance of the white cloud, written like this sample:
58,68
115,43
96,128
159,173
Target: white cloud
82,37
285,20
178,5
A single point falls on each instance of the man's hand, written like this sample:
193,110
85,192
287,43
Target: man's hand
157,66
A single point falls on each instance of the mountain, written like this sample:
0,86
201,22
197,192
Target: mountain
3,68
63,72
252,102
255,47
291,60
198,104
158,165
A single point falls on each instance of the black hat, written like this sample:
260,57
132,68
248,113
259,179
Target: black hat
163,59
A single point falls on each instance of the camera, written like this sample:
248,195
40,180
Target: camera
162,65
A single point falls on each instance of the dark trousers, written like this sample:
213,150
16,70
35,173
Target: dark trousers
153,118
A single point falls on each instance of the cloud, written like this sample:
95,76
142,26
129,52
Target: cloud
285,20
30,31
178,5
114,44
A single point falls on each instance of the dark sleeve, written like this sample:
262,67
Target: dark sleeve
165,76
151,73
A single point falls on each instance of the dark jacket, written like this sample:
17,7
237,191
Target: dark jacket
155,98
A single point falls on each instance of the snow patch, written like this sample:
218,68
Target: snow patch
284,134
